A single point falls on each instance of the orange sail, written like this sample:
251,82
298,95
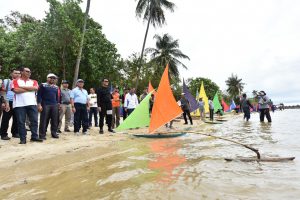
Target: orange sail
150,88
165,107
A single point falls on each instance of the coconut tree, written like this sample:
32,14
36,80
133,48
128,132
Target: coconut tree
235,86
167,52
151,11
76,71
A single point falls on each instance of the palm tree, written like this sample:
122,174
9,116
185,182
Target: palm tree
152,12
235,86
76,71
167,52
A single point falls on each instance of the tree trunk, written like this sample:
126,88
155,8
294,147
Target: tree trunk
76,72
142,54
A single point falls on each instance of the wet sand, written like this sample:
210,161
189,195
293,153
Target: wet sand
50,165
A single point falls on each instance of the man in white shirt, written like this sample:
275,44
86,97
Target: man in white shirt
131,101
24,103
93,107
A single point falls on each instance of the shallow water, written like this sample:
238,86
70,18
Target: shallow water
189,167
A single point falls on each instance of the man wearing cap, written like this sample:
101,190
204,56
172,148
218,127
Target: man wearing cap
48,99
185,106
264,101
65,106
80,107
24,103
104,100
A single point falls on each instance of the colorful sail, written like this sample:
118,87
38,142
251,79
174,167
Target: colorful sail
202,95
189,97
151,88
225,106
232,106
140,117
216,102
165,107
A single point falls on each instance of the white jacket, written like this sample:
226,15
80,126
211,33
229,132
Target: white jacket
131,101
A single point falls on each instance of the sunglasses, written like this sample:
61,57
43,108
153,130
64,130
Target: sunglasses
52,77
27,71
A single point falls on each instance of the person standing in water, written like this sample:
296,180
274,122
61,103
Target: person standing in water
211,110
264,102
246,105
201,105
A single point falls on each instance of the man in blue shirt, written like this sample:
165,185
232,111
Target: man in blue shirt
80,107
15,74
48,99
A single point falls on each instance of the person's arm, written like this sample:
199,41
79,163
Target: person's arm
39,97
72,101
98,100
87,101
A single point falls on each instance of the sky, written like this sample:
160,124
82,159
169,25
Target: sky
258,40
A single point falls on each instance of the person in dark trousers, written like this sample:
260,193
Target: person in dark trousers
80,107
15,74
48,97
123,102
93,107
25,104
65,107
185,106
104,98
211,110
246,105
264,101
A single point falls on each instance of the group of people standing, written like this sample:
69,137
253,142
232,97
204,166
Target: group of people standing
23,98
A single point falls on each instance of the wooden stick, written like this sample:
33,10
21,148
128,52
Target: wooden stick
218,137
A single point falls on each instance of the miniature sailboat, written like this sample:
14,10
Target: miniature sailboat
202,94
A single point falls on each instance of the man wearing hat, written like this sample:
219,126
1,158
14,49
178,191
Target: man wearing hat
80,107
264,108
48,99
185,106
65,106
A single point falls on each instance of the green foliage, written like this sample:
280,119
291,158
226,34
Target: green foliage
210,87
235,87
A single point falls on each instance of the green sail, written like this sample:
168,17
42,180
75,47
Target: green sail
139,117
216,102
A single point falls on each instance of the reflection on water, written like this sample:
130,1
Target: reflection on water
190,167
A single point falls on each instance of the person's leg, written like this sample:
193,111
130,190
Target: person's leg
62,112
102,116
262,115
21,118
95,111
77,118
32,113
124,114
14,127
109,116
43,122
117,116
85,119
5,122
113,117
54,121
268,115
68,115
184,117
90,116
190,118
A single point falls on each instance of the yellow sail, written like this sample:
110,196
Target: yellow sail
202,94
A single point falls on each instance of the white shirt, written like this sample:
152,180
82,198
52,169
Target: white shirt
131,101
25,98
93,100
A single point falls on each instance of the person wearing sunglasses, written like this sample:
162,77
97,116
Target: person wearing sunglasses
25,104
48,97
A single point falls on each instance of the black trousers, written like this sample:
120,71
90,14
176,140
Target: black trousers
124,113
80,117
93,111
265,112
246,113
49,112
5,122
211,114
187,113
106,112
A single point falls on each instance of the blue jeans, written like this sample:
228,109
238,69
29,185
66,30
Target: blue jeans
32,113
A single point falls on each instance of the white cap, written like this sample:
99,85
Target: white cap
51,75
